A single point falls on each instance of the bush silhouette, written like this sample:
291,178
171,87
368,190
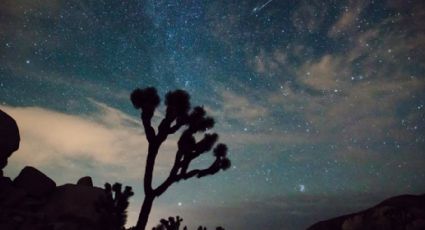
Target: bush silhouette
174,224
178,116
170,224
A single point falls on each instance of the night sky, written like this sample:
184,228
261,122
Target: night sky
321,103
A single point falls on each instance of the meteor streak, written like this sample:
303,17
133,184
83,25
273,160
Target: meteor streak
258,8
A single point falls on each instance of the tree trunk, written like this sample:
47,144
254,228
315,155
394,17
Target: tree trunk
144,212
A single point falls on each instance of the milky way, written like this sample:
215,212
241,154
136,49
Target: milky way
320,102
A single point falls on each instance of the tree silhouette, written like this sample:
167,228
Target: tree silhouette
113,207
178,116
170,224
174,224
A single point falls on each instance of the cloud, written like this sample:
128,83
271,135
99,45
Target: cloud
107,145
108,142
270,64
355,95
348,18
237,107
359,92
326,74
360,111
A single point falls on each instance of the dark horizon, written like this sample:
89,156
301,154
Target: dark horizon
320,104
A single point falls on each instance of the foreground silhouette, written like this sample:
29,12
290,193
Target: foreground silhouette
113,207
177,116
9,138
174,224
33,200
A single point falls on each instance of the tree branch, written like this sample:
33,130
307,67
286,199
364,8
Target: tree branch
213,169
150,162
175,127
172,177
149,131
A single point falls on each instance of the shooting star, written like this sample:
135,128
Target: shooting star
258,8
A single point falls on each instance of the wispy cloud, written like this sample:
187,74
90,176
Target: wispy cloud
348,18
239,107
236,107
353,96
328,73
108,145
108,139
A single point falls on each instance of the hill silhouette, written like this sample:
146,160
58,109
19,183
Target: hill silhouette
396,213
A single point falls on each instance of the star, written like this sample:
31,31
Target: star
299,94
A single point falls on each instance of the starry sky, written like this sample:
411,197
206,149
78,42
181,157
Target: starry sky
321,103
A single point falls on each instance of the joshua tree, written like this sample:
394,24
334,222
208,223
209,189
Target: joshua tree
178,116
113,207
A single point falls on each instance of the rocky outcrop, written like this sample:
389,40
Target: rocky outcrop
406,212
34,182
32,201
85,181
9,138
77,201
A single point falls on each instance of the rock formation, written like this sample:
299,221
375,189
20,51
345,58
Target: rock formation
85,181
34,182
32,201
9,138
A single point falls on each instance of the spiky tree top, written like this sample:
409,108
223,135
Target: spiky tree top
179,115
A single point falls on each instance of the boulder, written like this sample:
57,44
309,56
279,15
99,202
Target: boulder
32,201
85,181
11,196
74,202
9,138
34,182
8,193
